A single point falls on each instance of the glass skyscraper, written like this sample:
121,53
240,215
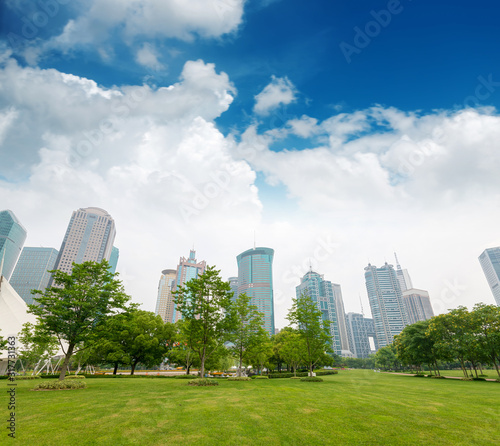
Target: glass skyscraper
89,237
165,302
31,271
255,278
386,302
360,330
490,262
12,237
417,305
113,259
322,292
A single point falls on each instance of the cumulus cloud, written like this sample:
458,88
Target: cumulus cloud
147,56
280,91
150,18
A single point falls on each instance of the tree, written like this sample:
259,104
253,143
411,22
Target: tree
134,337
486,322
3,343
259,350
292,348
386,357
77,302
315,332
205,305
182,353
36,345
248,329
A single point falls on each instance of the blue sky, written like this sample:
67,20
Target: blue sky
371,124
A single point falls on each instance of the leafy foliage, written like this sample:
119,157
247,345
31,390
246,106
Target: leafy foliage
313,379
60,385
202,382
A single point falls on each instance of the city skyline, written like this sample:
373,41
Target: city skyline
231,121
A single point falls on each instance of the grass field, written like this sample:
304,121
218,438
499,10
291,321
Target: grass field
351,408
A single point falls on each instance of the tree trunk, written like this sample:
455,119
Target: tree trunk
240,365
133,367
66,361
310,369
202,368
496,366
115,369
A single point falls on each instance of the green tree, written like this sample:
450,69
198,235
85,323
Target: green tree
248,330
292,348
77,302
313,330
485,320
260,350
182,354
386,357
205,305
3,343
36,345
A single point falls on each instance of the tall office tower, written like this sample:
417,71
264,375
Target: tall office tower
12,237
31,271
113,259
255,278
340,311
403,276
322,292
417,305
386,302
490,262
360,330
186,270
165,300
233,283
89,237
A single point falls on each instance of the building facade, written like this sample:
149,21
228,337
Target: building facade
89,237
165,300
255,278
188,268
360,330
386,302
417,305
12,238
32,271
403,276
113,259
490,262
233,283
328,298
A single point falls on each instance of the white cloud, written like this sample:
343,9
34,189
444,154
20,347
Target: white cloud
280,91
147,56
150,18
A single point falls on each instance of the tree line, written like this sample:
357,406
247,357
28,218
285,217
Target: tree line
89,316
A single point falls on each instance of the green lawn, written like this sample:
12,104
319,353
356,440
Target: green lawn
351,408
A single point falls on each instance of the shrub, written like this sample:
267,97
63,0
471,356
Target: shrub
22,378
483,376
60,385
497,380
74,377
438,377
260,377
286,375
185,377
312,379
478,379
240,378
327,372
203,382
467,379
295,377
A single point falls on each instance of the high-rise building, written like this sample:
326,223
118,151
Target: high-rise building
165,301
490,262
32,271
187,269
233,283
255,278
324,295
339,307
417,305
386,302
360,330
403,276
89,237
12,237
113,259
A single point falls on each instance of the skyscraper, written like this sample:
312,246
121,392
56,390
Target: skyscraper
89,237
386,302
417,305
186,270
490,262
12,237
113,259
360,330
255,278
165,302
403,276
233,283
328,298
31,271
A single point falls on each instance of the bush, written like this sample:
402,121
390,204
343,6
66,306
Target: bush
312,379
260,377
185,377
240,378
467,379
60,385
286,375
478,379
438,377
327,372
295,377
203,382
74,377
22,378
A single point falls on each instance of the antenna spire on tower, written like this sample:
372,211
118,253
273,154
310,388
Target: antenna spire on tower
361,304
397,261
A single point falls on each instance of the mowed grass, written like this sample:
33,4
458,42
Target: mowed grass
351,408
